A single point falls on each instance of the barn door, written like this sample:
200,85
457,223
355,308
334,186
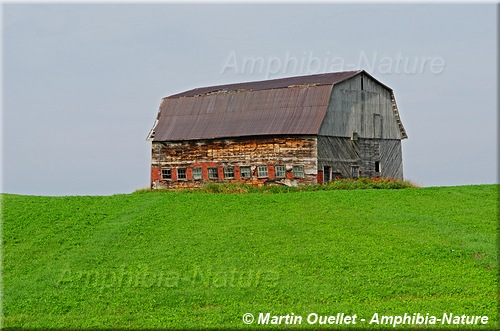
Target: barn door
327,173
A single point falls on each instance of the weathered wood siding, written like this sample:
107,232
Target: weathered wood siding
342,154
339,153
235,152
362,105
391,157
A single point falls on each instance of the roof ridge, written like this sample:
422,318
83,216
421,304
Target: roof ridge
329,78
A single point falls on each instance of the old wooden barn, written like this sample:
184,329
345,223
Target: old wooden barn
290,131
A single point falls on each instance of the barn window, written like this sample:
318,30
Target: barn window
354,171
279,171
245,172
298,171
166,173
181,173
196,173
377,166
377,126
229,172
213,173
262,171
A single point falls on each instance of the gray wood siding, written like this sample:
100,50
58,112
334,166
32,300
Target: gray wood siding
339,153
391,157
368,112
369,150
342,153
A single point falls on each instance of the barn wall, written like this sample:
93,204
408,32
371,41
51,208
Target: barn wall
369,150
270,151
339,153
342,154
364,108
391,157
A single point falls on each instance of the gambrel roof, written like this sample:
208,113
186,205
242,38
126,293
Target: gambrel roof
286,106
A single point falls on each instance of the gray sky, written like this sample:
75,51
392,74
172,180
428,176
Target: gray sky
82,82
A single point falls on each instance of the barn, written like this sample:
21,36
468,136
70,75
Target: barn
290,131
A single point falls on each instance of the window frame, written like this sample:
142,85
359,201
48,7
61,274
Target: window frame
327,173
276,171
295,172
354,168
266,171
249,172
225,172
194,171
210,172
179,170
163,176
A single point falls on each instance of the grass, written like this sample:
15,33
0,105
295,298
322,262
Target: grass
338,184
196,260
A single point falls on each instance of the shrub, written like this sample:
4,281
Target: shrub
359,183
225,188
369,183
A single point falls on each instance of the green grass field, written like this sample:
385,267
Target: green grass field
199,260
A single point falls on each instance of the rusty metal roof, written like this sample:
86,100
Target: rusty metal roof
287,106
319,79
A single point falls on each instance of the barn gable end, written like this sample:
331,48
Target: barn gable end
362,105
361,133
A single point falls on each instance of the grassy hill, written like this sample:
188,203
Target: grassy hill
198,260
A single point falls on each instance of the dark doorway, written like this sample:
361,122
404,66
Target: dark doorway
327,173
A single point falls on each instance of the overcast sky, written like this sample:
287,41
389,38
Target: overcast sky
82,82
